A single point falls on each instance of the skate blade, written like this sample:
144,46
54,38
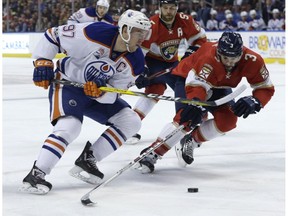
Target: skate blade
145,170
132,141
178,151
39,189
79,173
137,166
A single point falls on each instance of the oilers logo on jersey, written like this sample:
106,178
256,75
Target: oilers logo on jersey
98,70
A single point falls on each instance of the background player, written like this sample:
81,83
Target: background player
99,54
92,14
210,74
161,49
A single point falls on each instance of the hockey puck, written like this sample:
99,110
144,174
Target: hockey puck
192,190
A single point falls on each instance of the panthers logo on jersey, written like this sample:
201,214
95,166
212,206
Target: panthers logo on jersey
98,70
169,49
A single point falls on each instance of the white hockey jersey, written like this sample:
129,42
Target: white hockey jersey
275,25
243,25
88,15
89,47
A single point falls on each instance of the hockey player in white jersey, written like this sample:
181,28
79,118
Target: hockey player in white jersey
99,54
92,14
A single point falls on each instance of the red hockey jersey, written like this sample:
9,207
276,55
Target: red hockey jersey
163,43
203,71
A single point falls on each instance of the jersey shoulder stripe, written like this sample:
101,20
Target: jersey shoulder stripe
91,11
108,18
137,61
101,32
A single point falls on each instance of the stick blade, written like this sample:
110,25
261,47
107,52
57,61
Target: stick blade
86,201
231,96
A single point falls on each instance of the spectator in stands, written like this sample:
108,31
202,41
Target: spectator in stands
268,6
203,12
212,23
228,24
243,25
275,24
57,12
184,7
256,23
221,16
115,13
197,19
41,24
266,10
282,20
31,25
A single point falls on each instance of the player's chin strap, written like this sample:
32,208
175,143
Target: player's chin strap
126,41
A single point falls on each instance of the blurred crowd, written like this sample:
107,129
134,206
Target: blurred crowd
24,16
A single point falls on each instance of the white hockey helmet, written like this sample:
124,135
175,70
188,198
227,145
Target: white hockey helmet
103,3
132,18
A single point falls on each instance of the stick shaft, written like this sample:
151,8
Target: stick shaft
132,163
218,102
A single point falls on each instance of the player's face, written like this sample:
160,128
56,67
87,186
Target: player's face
137,36
229,62
168,12
101,11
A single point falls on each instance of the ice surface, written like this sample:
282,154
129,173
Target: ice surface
242,173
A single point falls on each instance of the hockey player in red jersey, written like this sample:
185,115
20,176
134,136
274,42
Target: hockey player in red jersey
161,49
210,74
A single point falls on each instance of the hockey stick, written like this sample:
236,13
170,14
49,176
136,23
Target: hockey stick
160,73
80,85
85,200
218,102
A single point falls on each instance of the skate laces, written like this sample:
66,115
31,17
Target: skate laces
91,160
188,146
38,173
152,157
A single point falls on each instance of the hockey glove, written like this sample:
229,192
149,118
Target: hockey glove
142,80
91,88
43,72
189,51
191,115
246,106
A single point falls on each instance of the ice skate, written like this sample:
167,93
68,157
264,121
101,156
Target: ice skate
85,167
35,182
184,150
147,163
134,139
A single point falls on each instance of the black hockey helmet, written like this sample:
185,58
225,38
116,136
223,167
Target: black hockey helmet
175,2
230,44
